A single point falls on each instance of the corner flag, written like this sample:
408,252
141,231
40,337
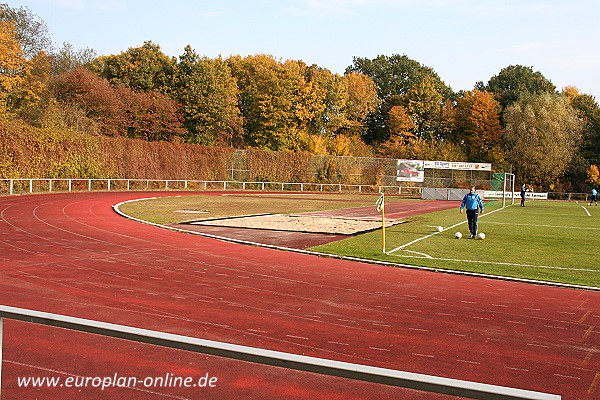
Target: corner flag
380,203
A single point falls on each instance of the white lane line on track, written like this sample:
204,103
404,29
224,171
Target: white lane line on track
379,349
518,369
468,362
568,376
422,355
297,337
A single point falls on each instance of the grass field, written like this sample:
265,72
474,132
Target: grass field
546,240
549,241
168,210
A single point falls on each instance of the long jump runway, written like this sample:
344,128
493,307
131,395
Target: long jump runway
72,254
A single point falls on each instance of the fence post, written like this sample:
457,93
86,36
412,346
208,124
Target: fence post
70,184
31,186
108,187
50,186
10,186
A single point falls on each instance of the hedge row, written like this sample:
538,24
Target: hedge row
30,152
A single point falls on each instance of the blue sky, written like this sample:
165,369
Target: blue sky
464,41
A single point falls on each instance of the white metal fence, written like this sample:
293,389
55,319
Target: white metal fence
14,186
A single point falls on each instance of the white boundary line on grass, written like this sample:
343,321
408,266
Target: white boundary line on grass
436,233
545,226
493,262
586,211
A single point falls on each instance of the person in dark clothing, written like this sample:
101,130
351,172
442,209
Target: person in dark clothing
523,190
473,203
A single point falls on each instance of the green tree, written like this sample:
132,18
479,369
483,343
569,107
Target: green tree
144,68
543,134
397,74
208,94
515,80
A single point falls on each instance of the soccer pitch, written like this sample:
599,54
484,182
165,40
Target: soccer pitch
546,240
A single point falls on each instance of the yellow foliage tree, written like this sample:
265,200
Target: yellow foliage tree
13,65
593,174
400,124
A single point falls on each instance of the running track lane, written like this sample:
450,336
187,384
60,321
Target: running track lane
71,254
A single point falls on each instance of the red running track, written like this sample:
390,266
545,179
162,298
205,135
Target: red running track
71,254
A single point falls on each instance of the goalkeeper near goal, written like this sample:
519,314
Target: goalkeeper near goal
473,203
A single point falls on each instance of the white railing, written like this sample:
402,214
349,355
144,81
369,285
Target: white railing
13,186
322,366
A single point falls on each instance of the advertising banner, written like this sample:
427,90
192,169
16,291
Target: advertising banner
516,195
465,166
410,171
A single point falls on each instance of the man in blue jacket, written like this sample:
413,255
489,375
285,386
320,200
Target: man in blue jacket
473,203
594,198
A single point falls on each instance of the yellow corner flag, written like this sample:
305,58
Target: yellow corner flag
380,203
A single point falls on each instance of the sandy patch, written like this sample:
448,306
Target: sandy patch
299,223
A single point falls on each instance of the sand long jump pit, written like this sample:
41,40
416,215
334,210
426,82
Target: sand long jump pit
300,223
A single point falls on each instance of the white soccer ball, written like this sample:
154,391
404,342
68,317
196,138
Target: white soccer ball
457,235
439,228
481,236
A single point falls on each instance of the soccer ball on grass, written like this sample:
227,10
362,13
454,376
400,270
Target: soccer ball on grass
457,235
481,236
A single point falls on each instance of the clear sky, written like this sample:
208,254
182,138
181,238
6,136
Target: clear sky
464,41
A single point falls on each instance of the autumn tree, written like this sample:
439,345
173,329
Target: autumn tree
543,133
312,100
331,92
589,111
119,111
14,67
144,68
397,75
30,31
400,124
478,126
593,175
269,99
362,101
514,81
208,94
67,58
